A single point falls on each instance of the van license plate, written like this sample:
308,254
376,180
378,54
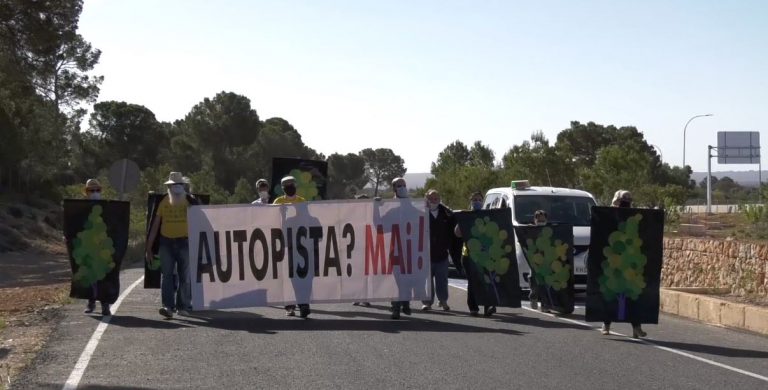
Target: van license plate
581,270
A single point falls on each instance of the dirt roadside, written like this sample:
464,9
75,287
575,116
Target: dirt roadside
32,286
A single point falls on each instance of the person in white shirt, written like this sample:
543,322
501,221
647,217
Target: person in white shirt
262,188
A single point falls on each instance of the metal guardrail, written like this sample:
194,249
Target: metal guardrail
717,209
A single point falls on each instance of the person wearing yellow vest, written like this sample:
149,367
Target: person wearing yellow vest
171,225
288,184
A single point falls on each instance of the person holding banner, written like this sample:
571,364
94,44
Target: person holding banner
442,243
171,225
475,204
401,192
262,188
539,219
288,183
92,191
623,198
363,303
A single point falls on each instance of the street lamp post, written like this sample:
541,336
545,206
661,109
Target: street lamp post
684,131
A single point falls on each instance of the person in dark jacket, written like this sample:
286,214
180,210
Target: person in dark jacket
442,243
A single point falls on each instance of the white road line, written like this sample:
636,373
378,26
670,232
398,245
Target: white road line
642,341
85,357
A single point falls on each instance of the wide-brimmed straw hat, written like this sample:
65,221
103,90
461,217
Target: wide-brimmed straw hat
175,178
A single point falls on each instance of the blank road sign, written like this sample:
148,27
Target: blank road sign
738,147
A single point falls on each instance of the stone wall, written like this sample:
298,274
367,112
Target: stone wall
738,266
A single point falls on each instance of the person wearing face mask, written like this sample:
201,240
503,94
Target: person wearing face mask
401,192
92,191
262,188
288,184
442,243
170,223
475,204
623,198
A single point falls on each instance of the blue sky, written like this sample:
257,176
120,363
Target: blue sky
415,76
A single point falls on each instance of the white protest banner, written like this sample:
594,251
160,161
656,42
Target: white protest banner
313,252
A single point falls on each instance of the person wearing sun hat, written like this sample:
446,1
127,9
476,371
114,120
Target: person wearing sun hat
288,183
262,188
170,224
92,191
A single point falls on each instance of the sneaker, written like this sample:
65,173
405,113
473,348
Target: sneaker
90,307
395,313
184,312
407,309
534,304
605,330
166,313
355,303
474,313
304,311
426,308
290,312
444,306
366,304
105,309
637,332
489,310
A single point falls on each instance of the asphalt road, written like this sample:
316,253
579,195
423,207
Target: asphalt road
343,346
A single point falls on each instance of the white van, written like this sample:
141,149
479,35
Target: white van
562,205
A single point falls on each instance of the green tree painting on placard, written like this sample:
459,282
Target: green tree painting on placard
549,259
624,265
93,250
305,185
489,250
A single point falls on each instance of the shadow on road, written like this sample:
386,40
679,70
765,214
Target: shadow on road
138,322
249,322
535,322
707,349
55,386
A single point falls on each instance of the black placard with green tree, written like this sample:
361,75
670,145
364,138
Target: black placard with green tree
624,265
492,267
96,232
549,252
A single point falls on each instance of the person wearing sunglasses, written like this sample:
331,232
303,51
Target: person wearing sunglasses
92,191
170,227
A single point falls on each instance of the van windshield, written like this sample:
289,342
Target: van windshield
575,210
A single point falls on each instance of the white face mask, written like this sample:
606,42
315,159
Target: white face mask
264,195
177,190
402,192
433,206
94,196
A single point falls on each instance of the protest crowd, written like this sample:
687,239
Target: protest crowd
184,257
